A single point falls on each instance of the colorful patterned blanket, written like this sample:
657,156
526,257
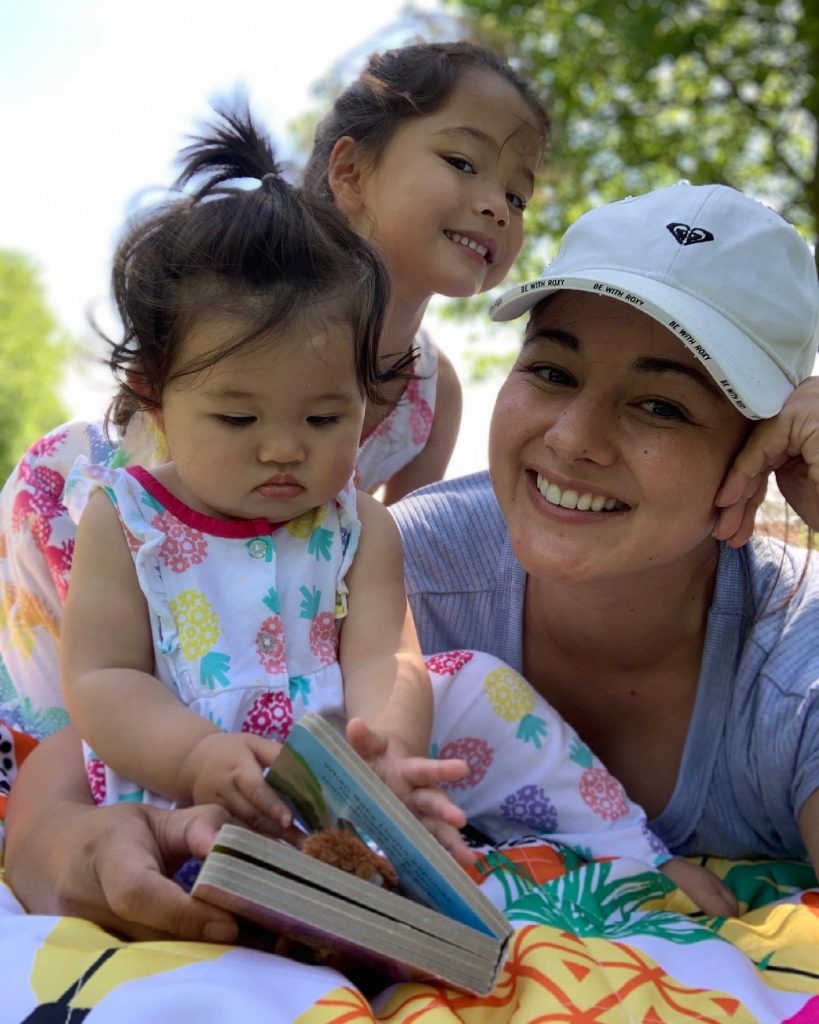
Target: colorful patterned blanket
595,943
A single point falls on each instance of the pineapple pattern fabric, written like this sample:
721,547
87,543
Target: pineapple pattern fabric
244,614
529,772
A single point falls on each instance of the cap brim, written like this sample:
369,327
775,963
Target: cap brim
744,372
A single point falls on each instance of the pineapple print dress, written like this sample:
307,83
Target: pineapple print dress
404,432
529,771
243,612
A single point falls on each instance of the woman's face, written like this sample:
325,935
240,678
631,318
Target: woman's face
608,443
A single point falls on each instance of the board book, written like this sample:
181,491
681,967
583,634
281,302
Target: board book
438,925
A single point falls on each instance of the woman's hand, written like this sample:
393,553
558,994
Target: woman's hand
113,867
109,865
788,445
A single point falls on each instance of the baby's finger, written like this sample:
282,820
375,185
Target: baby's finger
434,804
263,799
364,741
428,771
452,841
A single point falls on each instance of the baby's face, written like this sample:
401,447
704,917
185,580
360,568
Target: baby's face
270,431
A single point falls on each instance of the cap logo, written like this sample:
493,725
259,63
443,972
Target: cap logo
686,235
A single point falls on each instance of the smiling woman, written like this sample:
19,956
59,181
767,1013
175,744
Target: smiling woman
586,558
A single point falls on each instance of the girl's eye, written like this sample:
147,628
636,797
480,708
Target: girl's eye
664,410
321,421
517,201
236,421
460,164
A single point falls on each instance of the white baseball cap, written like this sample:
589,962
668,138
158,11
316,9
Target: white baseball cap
733,280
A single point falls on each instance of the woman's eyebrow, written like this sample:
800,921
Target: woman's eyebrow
485,139
651,364
564,338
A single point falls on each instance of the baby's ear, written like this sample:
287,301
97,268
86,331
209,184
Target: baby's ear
346,171
145,394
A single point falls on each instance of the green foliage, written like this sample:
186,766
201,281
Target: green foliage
33,356
645,92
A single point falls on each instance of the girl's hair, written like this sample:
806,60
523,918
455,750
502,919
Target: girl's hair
398,85
265,255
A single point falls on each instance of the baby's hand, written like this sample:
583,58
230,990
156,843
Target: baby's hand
416,781
702,886
227,769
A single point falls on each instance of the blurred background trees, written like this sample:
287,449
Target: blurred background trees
33,357
645,92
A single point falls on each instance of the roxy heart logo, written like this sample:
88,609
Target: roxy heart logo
686,235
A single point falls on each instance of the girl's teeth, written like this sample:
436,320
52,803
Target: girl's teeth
468,243
571,499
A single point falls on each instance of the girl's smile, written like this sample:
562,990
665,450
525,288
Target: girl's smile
444,200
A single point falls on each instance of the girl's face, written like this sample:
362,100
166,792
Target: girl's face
444,200
608,443
267,433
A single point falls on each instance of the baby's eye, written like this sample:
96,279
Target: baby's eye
517,201
664,409
460,164
321,421
236,421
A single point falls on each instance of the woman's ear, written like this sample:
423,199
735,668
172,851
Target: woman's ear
346,170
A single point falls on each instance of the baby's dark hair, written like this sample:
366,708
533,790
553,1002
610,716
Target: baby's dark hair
270,254
401,84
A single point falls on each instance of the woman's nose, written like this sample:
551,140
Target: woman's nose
582,429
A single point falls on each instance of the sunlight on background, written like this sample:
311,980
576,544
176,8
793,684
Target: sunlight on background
95,98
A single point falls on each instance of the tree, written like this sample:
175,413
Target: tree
645,92
33,354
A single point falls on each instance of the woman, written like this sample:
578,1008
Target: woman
665,326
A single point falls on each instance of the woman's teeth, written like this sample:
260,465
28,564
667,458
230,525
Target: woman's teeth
571,499
468,242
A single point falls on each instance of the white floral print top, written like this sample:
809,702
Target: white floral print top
243,612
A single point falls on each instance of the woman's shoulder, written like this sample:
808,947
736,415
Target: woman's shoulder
782,581
450,530
444,506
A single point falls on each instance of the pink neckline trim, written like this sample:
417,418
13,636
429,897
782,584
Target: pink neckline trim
198,520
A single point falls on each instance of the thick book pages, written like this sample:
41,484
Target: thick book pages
442,926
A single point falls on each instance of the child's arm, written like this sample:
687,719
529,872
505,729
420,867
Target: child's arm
430,463
130,719
388,695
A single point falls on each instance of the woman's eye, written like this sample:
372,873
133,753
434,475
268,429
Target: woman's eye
663,409
552,375
461,164
517,201
236,421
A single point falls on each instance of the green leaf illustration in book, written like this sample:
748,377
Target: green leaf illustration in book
293,779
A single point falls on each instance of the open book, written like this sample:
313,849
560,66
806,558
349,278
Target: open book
438,924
